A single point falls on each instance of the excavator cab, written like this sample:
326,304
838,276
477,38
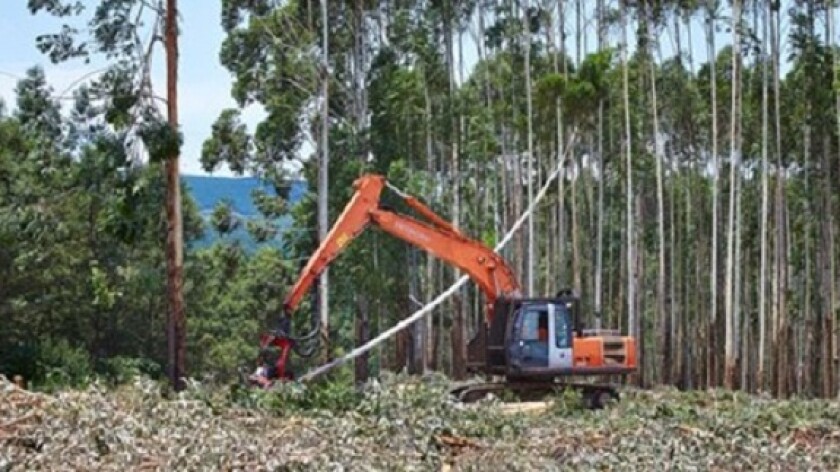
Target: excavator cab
541,338
544,338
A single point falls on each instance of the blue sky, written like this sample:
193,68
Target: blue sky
204,85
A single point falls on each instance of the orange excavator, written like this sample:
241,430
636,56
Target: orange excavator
530,342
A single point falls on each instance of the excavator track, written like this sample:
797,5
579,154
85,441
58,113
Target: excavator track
595,396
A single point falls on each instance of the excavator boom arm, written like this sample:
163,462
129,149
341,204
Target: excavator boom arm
486,268
351,222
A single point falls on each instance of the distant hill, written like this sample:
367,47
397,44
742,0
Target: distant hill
208,191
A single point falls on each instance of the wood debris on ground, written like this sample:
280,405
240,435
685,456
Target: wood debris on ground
137,427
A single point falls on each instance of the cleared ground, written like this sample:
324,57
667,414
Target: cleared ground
408,425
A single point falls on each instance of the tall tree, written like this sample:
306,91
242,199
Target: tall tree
713,276
765,203
175,230
132,107
324,177
526,31
734,157
632,322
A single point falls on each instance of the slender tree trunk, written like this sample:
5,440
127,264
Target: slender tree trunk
638,301
734,155
457,335
323,183
431,336
417,362
826,372
677,300
765,216
713,279
362,329
577,165
812,315
661,315
599,254
174,227
578,33
561,148
781,335
527,34
693,291
830,329
631,249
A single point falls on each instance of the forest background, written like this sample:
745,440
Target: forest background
696,209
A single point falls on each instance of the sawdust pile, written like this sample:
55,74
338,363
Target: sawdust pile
406,425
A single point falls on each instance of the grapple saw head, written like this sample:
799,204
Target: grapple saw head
267,372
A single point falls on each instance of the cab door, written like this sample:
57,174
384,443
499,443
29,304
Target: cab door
531,337
561,340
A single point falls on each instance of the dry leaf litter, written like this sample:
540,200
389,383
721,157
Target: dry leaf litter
407,424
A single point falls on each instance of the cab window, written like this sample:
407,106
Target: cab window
535,326
562,334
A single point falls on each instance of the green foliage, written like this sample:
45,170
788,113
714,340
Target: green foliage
62,365
229,143
567,402
161,140
120,370
223,219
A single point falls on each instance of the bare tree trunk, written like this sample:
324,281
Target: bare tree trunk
638,274
765,216
527,34
323,183
677,300
661,315
457,335
431,336
631,249
417,363
174,228
561,148
599,255
830,330
713,279
362,336
734,156
578,175
777,294
826,372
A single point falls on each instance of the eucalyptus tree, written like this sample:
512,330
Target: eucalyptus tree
132,105
765,202
713,277
734,158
